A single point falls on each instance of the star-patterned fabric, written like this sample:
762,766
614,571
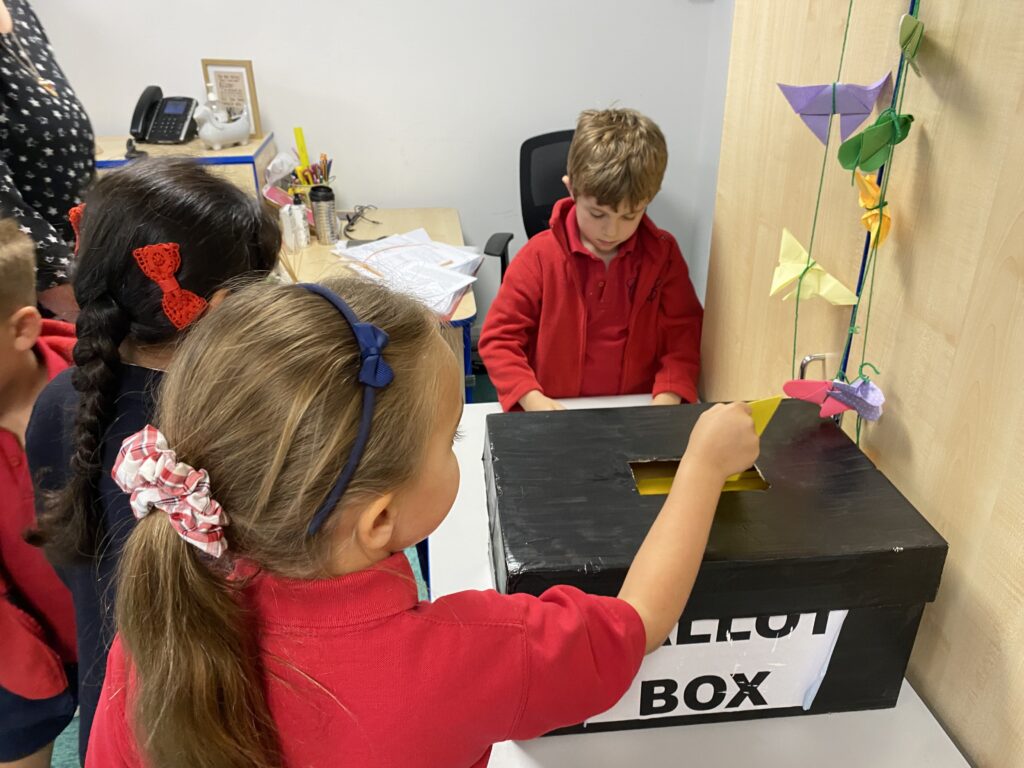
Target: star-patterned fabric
46,146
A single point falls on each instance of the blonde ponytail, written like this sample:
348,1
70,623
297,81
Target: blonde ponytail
201,704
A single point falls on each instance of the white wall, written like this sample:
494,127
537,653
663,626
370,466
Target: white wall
425,102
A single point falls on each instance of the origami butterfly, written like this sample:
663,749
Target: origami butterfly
911,34
869,194
869,150
816,282
835,397
815,104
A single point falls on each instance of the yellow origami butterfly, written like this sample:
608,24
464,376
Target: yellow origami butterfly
816,282
869,194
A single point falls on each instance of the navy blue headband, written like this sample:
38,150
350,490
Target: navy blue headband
374,373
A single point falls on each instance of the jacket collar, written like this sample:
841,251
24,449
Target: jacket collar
576,246
566,207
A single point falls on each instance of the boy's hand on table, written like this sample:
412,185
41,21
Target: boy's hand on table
535,400
666,398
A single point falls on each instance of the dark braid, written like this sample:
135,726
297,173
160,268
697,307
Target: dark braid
102,326
225,237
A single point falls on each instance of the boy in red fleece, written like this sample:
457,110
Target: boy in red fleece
600,304
37,627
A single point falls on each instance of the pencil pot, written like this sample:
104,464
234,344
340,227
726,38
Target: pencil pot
325,217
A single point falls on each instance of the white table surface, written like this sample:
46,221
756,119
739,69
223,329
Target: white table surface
905,737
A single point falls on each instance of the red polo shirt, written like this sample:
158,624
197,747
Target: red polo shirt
359,673
37,620
608,300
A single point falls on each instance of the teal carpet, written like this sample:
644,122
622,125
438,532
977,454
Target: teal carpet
65,751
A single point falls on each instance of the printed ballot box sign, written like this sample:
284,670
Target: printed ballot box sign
711,666
811,589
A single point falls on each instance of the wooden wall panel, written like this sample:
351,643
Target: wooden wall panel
947,327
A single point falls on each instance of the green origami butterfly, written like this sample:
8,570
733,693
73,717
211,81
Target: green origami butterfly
869,150
911,33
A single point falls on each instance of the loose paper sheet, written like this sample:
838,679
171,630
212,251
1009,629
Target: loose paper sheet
435,273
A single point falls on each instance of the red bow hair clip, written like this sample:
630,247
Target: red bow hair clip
159,262
75,217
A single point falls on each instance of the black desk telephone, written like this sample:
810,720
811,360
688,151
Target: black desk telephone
159,120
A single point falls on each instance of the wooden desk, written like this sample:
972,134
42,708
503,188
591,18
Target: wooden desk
243,165
317,262
886,738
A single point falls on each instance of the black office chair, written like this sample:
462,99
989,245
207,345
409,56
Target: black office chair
542,162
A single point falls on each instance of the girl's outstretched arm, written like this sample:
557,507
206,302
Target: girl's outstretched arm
658,583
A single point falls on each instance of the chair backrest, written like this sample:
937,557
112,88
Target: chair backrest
542,162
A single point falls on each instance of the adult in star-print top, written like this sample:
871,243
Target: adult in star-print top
46,148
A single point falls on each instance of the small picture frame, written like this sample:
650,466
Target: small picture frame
233,83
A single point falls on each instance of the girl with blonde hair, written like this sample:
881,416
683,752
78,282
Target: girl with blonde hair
266,613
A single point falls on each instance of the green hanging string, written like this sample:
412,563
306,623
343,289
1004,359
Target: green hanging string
864,376
895,103
870,269
872,262
817,202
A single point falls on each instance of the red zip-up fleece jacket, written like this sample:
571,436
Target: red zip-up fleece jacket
535,333
37,619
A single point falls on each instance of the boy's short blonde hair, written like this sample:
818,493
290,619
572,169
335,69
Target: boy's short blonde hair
617,156
17,269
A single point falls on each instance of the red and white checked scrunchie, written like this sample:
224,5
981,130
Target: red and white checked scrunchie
148,470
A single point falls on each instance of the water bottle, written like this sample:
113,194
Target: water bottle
294,226
325,218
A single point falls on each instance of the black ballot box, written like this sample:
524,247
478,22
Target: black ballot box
811,589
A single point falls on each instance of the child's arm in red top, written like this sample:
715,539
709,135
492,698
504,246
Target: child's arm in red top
510,331
679,324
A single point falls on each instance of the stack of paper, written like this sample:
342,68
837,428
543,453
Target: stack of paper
435,273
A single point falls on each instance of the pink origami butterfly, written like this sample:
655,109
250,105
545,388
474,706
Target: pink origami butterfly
835,397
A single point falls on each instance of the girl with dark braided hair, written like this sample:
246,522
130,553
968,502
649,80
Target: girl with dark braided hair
160,243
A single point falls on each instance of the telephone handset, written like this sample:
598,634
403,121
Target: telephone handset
160,120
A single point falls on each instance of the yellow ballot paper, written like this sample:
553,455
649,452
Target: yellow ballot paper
761,411
816,282
654,478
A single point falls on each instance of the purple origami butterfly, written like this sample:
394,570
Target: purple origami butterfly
816,104
860,394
